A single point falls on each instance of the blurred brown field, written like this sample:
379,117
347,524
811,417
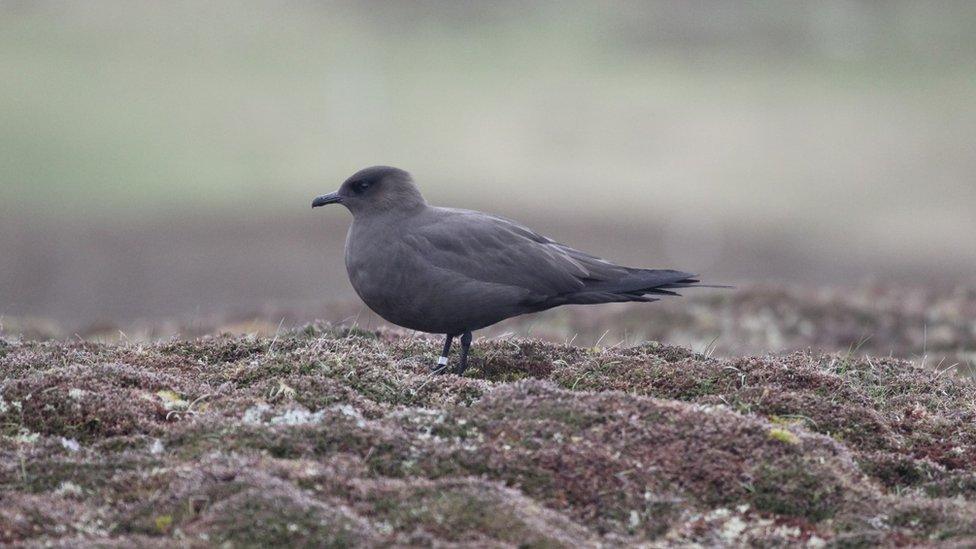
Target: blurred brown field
158,158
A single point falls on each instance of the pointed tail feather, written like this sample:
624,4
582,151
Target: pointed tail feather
642,285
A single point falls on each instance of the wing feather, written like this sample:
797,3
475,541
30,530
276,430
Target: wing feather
496,250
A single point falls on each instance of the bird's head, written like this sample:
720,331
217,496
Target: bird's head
375,190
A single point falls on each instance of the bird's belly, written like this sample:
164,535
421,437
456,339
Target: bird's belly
407,302
429,300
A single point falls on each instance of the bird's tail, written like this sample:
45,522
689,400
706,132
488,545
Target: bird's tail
638,285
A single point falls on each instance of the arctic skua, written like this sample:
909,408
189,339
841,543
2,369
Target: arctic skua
450,271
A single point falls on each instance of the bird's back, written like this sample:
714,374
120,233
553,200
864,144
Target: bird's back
498,250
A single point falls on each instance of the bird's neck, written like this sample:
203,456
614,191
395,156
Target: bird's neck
390,218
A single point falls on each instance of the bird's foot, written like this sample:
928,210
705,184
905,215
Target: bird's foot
441,367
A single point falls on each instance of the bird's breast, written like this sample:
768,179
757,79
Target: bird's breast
378,271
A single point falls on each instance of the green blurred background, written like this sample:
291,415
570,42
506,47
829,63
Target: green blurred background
159,158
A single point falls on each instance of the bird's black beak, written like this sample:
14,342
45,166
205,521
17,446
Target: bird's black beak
326,199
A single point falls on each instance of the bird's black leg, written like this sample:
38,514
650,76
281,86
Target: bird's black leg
465,347
441,365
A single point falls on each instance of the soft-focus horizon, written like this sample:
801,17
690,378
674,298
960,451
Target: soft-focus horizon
159,159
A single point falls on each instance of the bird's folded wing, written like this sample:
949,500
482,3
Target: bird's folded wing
495,250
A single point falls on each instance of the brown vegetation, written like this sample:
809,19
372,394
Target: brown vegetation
341,437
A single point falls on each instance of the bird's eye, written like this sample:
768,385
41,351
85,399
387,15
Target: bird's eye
360,187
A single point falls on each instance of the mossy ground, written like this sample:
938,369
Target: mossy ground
334,437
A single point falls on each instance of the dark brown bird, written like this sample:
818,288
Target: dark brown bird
449,271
